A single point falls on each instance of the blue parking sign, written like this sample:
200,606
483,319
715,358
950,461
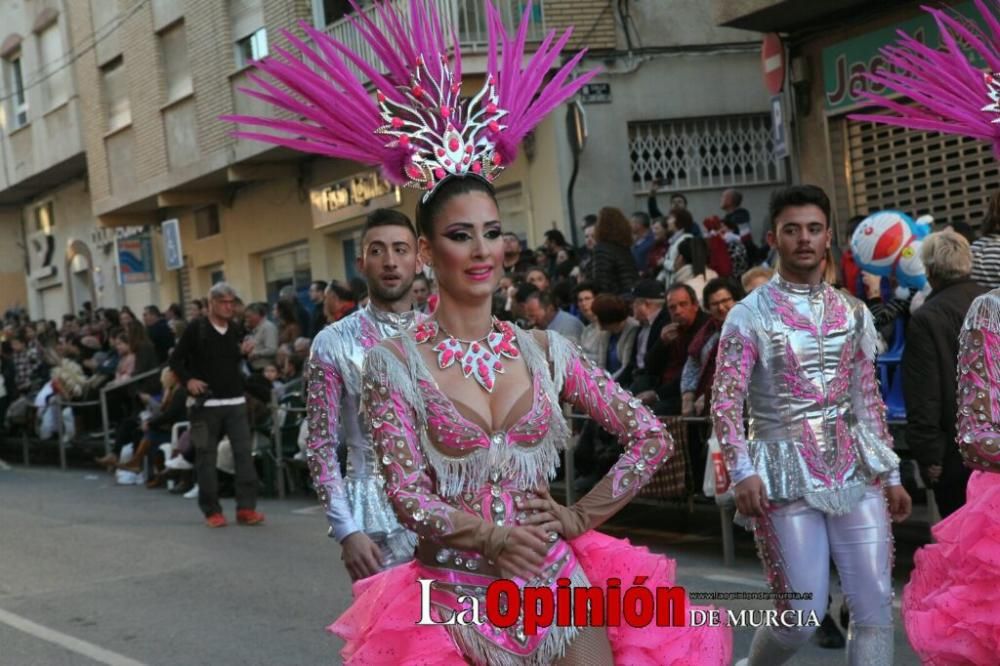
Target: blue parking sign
172,244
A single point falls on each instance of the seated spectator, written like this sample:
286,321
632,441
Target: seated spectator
157,429
158,331
272,375
616,349
720,295
648,311
541,312
661,243
291,374
289,329
755,277
174,313
421,292
538,279
126,316
27,363
195,309
667,357
613,268
591,338
642,238
301,347
986,250
691,265
262,345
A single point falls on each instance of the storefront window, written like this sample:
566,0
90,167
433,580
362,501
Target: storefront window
288,267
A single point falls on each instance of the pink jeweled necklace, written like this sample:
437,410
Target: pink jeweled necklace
480,361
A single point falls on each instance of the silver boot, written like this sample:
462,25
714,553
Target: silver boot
870,645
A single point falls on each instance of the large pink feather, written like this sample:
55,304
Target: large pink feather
941,90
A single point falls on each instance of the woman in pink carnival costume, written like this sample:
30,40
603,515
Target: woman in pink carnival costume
949,606
464,409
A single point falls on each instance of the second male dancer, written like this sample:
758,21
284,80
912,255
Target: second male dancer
816,473
359,514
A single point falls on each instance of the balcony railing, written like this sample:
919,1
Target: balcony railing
466,17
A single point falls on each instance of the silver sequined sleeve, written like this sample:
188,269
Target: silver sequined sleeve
738,353
323,409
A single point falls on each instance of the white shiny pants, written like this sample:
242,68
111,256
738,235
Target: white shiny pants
796,543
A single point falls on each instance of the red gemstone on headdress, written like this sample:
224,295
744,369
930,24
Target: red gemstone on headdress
460,355
454,144
397,123
417,91
440,152
404,141
477,167
468,148
497,159
446,111
447,357
483,370
380,96
491,108
429,185
466,160
494,126
448,163
455,88
439,173
413,172
498,366
475,347
420,61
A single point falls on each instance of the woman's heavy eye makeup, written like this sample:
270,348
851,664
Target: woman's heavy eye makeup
463,231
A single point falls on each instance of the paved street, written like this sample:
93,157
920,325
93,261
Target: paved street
94,573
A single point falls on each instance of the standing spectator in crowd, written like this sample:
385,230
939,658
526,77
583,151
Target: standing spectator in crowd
739,218
682,227
514,260
755,277
965,230
158,331
586,253
421,292
300,315
929,367
262,346
537,278
986,250
647,309
719,259
720,295
691,265
677,202
668,355
613,270
195,309
554,242
174,313
642,238
540,310
317,320
359,288
207,361
738,256
338,302
27,363
590,337
612,316
661,243
289,329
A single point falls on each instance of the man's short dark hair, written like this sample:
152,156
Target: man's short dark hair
525,292
386,217
556,237
319,284
589,220
610,309
798,195
340,290
688,289
642,218
259,309
426,280
153,310
718,284
585,286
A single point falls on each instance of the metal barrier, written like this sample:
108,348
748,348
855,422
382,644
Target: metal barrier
114,386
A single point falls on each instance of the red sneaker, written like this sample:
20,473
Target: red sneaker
215,520
249,517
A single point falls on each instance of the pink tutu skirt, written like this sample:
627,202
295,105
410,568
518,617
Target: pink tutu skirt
379,627
950,607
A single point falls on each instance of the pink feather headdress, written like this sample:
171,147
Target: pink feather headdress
948,93
416,126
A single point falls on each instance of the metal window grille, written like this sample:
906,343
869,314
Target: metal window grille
918,173
704,153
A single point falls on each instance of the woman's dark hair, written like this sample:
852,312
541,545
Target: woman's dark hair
451,187
695,253
718,284
798,195
176,311
683,220
609,309
613,227
136,334
286,312
584,286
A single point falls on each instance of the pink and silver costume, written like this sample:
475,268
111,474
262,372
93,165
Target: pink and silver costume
802,358
950,609
357,502
458,483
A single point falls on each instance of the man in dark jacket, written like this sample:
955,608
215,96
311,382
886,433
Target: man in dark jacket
648,309
159,332
669,352
929,367
207,362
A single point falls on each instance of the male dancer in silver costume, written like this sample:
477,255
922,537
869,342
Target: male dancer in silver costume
359,514
816,473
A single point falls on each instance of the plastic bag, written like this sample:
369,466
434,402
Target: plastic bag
716,482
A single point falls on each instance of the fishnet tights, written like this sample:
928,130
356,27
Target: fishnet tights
589,648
